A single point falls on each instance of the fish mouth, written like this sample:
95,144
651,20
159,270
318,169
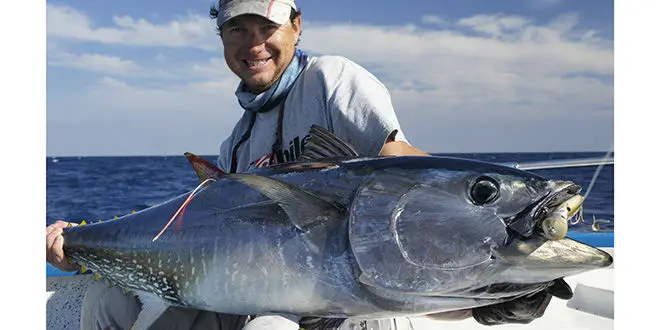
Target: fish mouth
545,253
550,215
558,209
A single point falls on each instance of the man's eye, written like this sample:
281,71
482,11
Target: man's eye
270,27
236,29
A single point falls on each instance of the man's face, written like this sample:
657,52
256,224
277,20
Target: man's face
258,50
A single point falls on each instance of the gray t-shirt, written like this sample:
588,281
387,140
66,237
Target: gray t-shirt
332,92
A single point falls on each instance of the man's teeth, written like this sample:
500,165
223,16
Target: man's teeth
256,63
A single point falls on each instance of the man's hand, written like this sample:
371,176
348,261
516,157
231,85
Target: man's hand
54,242
522,310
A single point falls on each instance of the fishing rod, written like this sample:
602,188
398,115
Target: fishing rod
561,163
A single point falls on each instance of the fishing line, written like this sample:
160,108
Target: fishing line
600,167
580,216
182,207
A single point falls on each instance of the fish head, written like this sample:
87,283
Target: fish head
454,226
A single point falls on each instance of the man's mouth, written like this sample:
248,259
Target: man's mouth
253,64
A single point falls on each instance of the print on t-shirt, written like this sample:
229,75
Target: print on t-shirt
281,155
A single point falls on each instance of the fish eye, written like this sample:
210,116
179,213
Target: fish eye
484,190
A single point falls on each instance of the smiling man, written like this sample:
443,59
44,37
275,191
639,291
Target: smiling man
282,93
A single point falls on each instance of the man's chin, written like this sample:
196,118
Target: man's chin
257,86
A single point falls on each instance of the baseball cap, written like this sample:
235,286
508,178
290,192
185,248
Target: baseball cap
277,11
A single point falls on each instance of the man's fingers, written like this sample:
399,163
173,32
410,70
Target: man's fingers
51,236
57,249
59,259
50,240
55,244
61,223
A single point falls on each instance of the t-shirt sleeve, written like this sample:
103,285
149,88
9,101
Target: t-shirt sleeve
360,107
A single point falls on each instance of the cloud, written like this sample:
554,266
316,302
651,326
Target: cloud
516,63
493,25
487,82
95,62
67,23
114,117
434,20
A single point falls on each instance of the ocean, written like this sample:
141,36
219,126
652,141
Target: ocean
94,188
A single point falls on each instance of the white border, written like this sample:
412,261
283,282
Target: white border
636,200
23,174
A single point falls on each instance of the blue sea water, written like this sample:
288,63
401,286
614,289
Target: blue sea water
93,188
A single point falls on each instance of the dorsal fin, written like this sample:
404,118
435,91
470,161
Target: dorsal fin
303,208
204,169
323,144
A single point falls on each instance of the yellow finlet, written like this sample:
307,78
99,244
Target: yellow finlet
100,220
133,212
82,223
97,277
116,217
69,224
69,261
83,269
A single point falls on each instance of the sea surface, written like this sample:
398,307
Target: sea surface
94,188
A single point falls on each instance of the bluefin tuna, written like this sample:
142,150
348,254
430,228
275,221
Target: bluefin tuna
336,235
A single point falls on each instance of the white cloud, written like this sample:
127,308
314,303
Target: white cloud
514,85
434,20
95,62
529,62
113,117
215,67
106,64
493,25
64,22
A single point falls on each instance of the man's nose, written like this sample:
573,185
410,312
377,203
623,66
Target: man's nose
256,37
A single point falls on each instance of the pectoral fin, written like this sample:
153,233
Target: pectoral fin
303,208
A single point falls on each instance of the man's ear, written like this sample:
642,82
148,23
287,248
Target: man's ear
297,26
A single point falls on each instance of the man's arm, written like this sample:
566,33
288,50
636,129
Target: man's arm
400,148
392,147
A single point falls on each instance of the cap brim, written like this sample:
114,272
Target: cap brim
274,11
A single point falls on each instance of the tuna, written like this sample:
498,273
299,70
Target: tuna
340,236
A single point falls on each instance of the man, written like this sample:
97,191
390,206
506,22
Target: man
280,83
283,92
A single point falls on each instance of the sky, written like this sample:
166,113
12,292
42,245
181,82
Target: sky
149,78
